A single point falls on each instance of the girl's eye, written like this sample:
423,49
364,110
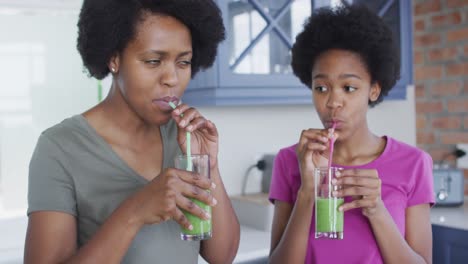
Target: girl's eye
350,89
321,89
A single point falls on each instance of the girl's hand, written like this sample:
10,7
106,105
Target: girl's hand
311,153
204,137
364,186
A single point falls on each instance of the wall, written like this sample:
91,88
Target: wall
43,83
441,74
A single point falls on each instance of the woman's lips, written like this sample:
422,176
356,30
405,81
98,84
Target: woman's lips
163,102
163,105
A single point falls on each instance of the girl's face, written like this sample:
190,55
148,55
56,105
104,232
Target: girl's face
155,67
341,90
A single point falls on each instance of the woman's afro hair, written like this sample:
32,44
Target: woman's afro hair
105,28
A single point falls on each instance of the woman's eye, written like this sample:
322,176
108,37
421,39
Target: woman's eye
185,63
350,89
153,62
320,88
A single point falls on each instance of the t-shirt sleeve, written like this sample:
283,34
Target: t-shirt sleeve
280,188
50,187
423,186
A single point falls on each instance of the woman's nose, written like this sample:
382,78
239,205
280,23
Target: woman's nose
169,77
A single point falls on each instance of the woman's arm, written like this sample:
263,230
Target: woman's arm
52,238
290,232
417,248
222,247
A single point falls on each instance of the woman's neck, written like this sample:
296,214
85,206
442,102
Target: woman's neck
114,118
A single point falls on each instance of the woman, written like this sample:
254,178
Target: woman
102,188
348,59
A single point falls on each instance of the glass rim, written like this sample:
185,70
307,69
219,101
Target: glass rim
324,168
191,155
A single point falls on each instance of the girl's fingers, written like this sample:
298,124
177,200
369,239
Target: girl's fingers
360,203
364,181
369,173
355,191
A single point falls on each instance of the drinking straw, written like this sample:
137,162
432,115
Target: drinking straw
332,143
188,139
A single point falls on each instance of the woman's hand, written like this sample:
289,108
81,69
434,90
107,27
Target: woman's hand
204,133
168,193
364,186
311,152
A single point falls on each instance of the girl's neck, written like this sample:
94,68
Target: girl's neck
361,148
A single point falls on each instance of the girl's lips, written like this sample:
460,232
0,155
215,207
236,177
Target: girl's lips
338,124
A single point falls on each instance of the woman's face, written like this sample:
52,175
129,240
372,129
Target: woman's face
155,67
341,90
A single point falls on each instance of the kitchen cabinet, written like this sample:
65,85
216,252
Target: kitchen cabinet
450,245
253,63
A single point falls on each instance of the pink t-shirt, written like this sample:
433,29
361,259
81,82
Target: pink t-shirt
406,174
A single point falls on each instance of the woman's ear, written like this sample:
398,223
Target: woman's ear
114,63
374,92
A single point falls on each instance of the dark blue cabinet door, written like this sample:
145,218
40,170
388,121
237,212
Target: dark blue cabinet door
450,245
398,16
253,63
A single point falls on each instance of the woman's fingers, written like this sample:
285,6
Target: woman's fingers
196,123
181,219
190,206
196,179
192,191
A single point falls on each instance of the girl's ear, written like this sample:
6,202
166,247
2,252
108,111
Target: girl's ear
114,63
374,92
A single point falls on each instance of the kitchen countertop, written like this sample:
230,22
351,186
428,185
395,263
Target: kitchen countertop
454,217
254,244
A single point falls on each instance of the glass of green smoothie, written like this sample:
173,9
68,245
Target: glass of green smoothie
328,219
201,228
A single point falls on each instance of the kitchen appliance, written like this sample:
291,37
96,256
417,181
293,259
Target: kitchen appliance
448,186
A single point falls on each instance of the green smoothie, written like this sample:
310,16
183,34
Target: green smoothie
327,216
201,228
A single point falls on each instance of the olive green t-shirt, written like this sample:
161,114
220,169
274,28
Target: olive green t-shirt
73,170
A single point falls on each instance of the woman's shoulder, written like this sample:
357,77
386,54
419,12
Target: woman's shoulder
71,130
